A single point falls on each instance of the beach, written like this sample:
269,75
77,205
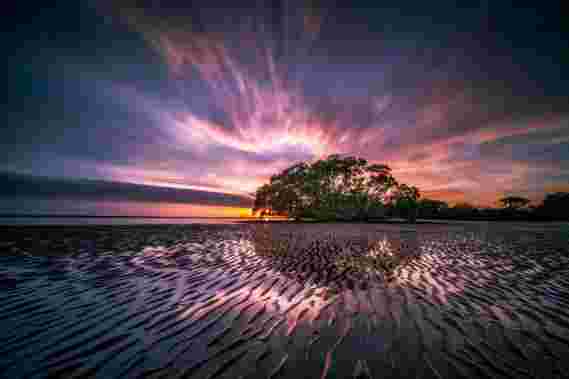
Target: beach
268,300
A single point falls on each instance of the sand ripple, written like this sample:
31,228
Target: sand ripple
314,301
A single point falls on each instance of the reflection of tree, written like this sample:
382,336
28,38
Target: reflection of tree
335,261
382,257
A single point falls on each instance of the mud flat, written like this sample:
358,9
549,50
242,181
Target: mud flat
285,300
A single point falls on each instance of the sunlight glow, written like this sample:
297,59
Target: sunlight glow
149,209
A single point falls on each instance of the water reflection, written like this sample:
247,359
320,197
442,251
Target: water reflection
277,277
264,299
335,260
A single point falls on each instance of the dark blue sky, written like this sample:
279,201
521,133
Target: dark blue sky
466,102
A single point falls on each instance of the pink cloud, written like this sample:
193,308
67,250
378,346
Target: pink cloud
431,139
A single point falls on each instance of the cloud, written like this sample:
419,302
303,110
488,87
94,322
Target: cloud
231,103
34,187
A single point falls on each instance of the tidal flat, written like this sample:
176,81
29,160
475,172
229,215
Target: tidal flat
285,300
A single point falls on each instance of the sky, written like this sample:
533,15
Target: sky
183,108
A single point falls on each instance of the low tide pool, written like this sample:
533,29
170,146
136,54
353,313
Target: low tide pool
285,300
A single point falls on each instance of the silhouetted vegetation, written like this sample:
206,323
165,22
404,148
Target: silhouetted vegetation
555,207
336,188
350,189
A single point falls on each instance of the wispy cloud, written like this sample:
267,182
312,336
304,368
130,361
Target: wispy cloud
17,186
245,98
263,112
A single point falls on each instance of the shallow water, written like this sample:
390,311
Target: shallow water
285,300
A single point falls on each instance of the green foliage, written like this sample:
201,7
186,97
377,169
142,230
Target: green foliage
406,201
431,205
335,188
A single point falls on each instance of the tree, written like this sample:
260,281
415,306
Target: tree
431,208
406,201
262,198
514,202
555,206
337,187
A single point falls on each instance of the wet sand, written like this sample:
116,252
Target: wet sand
285,300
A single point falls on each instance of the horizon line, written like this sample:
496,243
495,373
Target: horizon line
117,216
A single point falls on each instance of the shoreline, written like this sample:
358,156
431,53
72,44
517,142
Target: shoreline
300,222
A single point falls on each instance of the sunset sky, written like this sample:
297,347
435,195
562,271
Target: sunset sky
183,109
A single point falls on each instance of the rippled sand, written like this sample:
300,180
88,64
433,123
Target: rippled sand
285,300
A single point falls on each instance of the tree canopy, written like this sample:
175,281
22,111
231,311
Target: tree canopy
337,187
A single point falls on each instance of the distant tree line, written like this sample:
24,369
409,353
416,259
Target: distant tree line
348,188
555,207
